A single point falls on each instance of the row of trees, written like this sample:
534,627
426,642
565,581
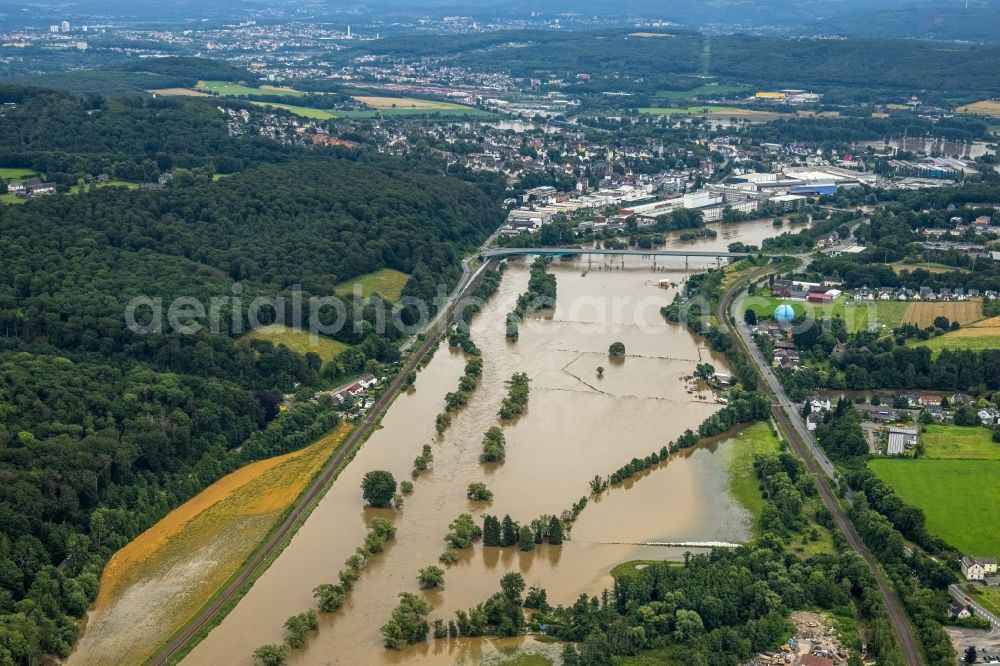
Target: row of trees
506,532
516,400
540,294
329,596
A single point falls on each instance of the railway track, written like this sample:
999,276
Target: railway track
817,464
286,529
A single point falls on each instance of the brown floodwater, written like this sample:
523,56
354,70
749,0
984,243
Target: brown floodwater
577,425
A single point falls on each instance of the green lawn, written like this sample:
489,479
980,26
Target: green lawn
960,498
663,657
303,111
83,187
703,108
743,485
721,90
228,89
989,597
16,173
387,283
11,199
856,317
944,442
963,342
527,660
299,341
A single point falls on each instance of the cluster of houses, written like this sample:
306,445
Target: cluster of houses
33,187
921,294
785,353
938,407
353,396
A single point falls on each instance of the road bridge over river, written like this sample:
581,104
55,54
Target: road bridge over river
504,252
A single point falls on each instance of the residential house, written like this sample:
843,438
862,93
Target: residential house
978,568
988,416
929,400
813,420
958,610
368,380
820,404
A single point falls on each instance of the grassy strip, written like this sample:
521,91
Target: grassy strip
386,282
756,439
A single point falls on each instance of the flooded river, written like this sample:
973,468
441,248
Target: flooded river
577,425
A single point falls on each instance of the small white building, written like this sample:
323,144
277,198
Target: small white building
819,404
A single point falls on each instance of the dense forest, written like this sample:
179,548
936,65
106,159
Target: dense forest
104,429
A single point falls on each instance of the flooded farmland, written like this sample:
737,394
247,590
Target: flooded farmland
577,425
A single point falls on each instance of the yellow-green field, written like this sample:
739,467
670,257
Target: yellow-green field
379,102
299,341
987,107
228,89
387,283
155,584
303,111
10,199
945,442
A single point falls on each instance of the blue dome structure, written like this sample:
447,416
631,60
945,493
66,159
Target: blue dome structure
783,314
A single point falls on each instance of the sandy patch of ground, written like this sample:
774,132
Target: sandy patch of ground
156,583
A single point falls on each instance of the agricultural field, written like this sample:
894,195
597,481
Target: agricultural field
387,283
963,342
379,102
16,173
948,442
227,89
302,111
986,107
941,488
754,440
923,313
155,584
707,90
930,267
299,341
178,92
856,316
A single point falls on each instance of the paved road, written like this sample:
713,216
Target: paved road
967,600
318,487
815,461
